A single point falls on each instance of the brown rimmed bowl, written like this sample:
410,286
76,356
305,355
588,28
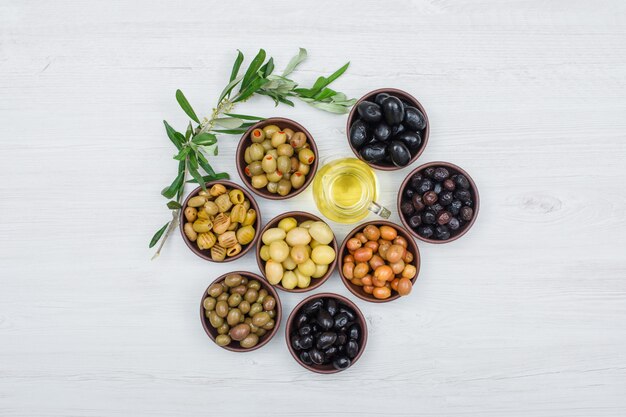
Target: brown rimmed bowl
206,254
300,217
234,345
404,96
360,320
245,141
411,246
454,169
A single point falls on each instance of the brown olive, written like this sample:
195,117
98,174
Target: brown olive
215,320
360,270
269,325
254,284
400,241
363,254
376,261
361,237
255,308
262,295
241,290
234,317
384,273
353,244
260,332
223,329
269,303
249,341
223,296
348,258
388,232
381,292
251,295
271,313
260,319
348,270
371,232
395,253
397,267
240,331
404,286
373,245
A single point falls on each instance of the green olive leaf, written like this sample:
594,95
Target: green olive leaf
231,131
204,139
204,163
209,178
229,122
295,61
176,137
236,65
173,205
251,73
180,156
244,116
189,132
267,68
251,89
196,175
229,87
184,104
158,234
170,192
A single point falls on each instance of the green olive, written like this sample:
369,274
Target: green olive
255,308
233,280
222,340
244,307
272,152
269,303
234,317
268,164
289,133
254,169
240,331
260,332
259,181
256,152
221,308
275,176
209,303
223,296
297,140
234,300
283,164
278,138
215,320
269,325
253,328
254,284
257,136
272,313
251,295
297,179
284,187
270,130
215,290
262,294
272,187
295,163
284,150
240,289
267,145
304,168
246,155
249,341
223,329
306,156
260,319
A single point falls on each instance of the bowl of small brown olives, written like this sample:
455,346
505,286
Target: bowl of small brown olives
326,333
438,202
379,261
388,129
277,158
298,251
240,312
221,223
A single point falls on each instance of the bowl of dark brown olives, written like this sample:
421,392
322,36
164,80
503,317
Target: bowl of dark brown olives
326,333
438,202
388,129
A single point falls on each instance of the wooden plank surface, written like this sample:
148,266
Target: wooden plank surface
524,316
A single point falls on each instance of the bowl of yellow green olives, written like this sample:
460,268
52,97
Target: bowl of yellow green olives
221,223
277,158
298,251
240,311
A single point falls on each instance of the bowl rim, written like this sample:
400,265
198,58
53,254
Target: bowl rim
319,281
194,248
473,188
417,259
241,149
407,97
267,337
361,319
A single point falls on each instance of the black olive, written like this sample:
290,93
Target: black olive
441,174
442,233
397,129
429,198
446,198
369,112
300,320
331,306
437,189
382,131
305,329
315,327
406,207
449,184
454,224
341,339
304,357
331,352
354,332
436,208
306,341
425,231
374,152
462,181
400,155
412,140
429,217
429,172
358,134
415,221
324,319
444,217
425,186
317,356
325,340
348,312
413,118
380,97
416,179
464,195
295,342
393,110
455,207
409,192
418,204
341,320
352,349
467,213
313,306
341,362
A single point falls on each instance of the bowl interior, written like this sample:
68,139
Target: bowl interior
360,319
234,345
454,169
245,141
300,217
411,246
404,96
206,254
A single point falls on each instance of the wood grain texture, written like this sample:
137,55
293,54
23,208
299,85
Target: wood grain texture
524,316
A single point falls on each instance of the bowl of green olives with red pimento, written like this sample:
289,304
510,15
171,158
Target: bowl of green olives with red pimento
438,202
388,129
277,158
240,311
326,333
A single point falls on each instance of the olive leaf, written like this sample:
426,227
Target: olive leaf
209,178
229,122
158,235
204,139
295,61
174,136
173,205
180,156
184,104
236,66
244,116
251,73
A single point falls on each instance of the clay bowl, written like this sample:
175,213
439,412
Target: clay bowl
245,141
300,217
206,254
453,170
411,246
404,96
234,345
291,327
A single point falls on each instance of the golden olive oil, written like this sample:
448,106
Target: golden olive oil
345,190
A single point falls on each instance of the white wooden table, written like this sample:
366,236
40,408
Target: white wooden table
524,316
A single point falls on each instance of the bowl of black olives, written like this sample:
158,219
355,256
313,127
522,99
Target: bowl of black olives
388,129
326,333
438,202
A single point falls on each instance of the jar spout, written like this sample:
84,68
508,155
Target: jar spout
379,210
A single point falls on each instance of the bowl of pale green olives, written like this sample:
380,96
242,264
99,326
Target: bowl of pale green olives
277,158
240,311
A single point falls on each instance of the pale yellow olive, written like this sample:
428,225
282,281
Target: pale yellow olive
303,280
297,179
304,168
273,271
285,150
321,232
287,223
270,130
323,255
211,208
189,232
268,164
299,254
265,252
307,224
307,267
259,181
191,214
289,280
246,155
279,250
289,264
272,234
298,236
202,225
196,201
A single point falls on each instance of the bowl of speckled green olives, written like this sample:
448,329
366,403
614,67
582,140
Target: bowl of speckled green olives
277,158
240,311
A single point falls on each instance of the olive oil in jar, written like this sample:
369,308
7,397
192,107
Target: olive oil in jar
345,191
